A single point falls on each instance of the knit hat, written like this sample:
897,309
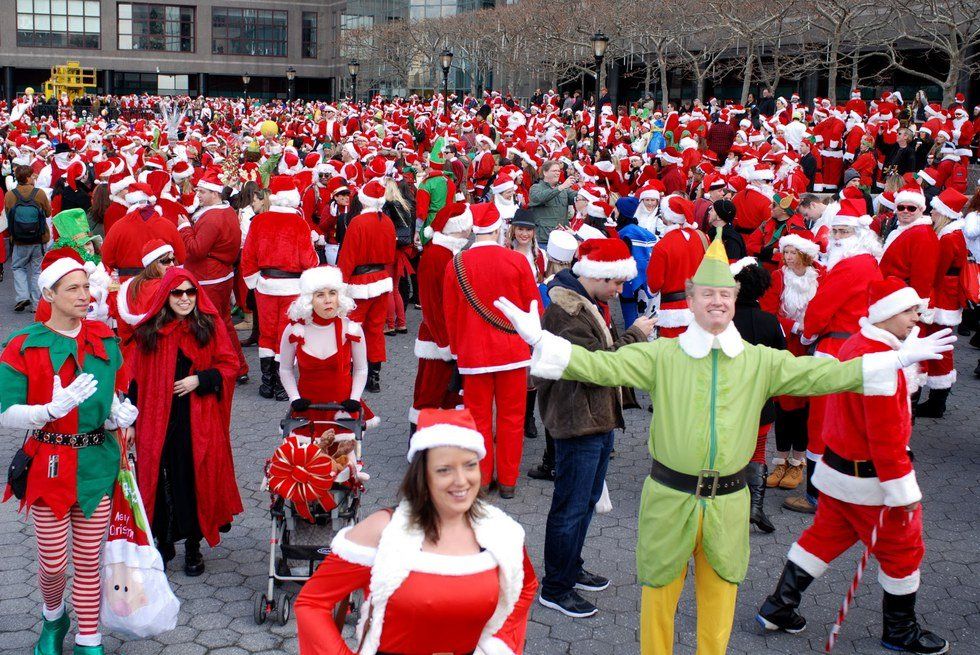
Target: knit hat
889,297
321,277
486,218
454,217
911,193
153,250
211,182
802,241
372,196
139,193
677,210
605,259
725,209
949,203
850,174
852,213
283,191
561,246
714,270
58,263
446,427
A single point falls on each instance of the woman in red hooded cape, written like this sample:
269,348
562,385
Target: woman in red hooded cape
184,378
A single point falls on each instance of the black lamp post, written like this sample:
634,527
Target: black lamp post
291,83
599,43
353,67
446,59
246,78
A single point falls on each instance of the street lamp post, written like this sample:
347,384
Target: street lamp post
246,78
599,43
446,59
353,67
291,83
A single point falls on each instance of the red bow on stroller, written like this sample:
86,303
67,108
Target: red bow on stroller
302,474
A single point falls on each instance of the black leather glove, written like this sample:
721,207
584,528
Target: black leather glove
350,406
300,404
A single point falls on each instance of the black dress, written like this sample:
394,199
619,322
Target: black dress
759,328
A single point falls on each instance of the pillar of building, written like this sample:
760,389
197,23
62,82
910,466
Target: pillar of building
202,84
8,84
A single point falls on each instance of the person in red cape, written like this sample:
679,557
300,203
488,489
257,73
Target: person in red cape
184,380
136,292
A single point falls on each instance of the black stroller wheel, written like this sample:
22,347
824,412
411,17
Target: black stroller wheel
260,612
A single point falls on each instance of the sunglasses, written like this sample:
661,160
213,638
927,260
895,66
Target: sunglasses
906,208
177,293
168,261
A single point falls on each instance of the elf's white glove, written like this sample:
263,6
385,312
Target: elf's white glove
122,414
65,399
915,350
527,324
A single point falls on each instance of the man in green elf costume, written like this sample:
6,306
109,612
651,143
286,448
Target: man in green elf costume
434,192
708,387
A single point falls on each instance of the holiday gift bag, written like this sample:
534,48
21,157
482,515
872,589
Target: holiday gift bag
136,597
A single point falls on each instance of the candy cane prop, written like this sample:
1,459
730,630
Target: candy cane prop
852,590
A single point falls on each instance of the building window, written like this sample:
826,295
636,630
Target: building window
309,35
156,27
58,23
256,32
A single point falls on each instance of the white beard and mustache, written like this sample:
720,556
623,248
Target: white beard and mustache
863,243
798,291
507,208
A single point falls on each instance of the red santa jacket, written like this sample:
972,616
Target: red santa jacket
277,239
213,241
948,298
952,173
841,301
764,242
115,211
910,255
122,249
368,243
433,338
673,178
481,170
316,207
492,271
866,165
872,428
752,209
675,258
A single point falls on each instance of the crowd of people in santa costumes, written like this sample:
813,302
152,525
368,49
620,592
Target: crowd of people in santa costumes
323,222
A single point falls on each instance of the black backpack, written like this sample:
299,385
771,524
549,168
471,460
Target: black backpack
25,220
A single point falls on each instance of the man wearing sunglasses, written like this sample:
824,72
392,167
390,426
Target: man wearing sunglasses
912,248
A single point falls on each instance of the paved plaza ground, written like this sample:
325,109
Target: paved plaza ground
216,615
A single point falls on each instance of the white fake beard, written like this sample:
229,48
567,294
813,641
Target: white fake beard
863,243
798,291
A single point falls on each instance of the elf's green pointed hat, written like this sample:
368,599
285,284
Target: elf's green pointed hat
73,223
714,270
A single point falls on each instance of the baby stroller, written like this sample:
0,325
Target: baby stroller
301,531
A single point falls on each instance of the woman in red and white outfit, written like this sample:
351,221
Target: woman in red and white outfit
948,297
444,572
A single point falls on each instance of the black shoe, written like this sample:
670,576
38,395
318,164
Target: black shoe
401,330
934,406
542,472
591,582
193,560
266,389
22,305
963,330
779,610
570,604
242,379
757,475
278,392
507,492
374,377
167,552
901,631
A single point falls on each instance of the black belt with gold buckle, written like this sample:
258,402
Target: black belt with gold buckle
707,484
862,468
93,438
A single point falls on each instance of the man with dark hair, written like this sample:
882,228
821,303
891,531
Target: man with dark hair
27,209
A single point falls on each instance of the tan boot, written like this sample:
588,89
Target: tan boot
778,471
794,476
800,504
245,323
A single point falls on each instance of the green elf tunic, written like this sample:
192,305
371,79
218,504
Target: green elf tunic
707,394
61,476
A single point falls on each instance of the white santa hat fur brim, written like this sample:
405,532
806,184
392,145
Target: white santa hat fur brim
285,199
943,209
211,187
115,188
917,199
440,435
505,186
670,216
805,246
321,277
850,221
895,303
138,198
622,269
649,193
57,270
368,203
740,265
154,255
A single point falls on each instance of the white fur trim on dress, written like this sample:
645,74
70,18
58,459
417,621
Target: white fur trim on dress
550,357
880,372
276,286
948,317
432,350
899,586
848,488
352,552
806,561
895,303
436,436
288,198
492,646
623,269
670,318
902,491
941,381
944,209
155,254
122,304
807,247
370,289
456,565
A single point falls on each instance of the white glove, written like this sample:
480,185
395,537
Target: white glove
527,324
915,350
123,414
65,399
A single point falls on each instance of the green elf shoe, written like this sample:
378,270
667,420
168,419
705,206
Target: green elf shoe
88,650
53,636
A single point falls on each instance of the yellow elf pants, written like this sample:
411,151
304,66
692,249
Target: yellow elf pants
716,610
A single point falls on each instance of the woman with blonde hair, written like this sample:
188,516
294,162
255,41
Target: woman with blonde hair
401,212
520,238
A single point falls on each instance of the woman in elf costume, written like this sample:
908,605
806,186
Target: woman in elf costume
58,380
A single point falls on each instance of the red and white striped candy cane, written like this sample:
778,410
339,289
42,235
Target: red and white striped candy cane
852,590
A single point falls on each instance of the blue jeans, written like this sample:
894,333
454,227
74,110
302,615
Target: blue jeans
26,264
580,470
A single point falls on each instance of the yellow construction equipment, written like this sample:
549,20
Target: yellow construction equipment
70,78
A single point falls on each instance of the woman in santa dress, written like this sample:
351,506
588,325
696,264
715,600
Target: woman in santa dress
444,572
135,293
793,286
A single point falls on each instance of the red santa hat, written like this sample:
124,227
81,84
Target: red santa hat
58,263
119,182
484,139
852,213
102,169
911,193
454,217
486,218
335,185
181,171
889,297
153,250
887,200
155,162
677,210
670,155
605,259
377,168
211,182
372,196
139,193
283,191
711,182
929,175
446,427
321,277
949,203
959,98
856,94
651,190
503,183
600,209
802,241
74,172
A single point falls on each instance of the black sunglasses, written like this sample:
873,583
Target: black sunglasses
168,261
906,208
177,293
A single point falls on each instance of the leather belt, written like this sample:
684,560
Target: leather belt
858,469
279,274
708,483
673,297
93,438
129,271
364,269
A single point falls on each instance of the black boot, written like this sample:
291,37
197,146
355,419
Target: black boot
779,610
266,389
976,371
530,427
546,469
757,474
167,551
900,630
277,389
374,377
412,427
193,560
934,406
